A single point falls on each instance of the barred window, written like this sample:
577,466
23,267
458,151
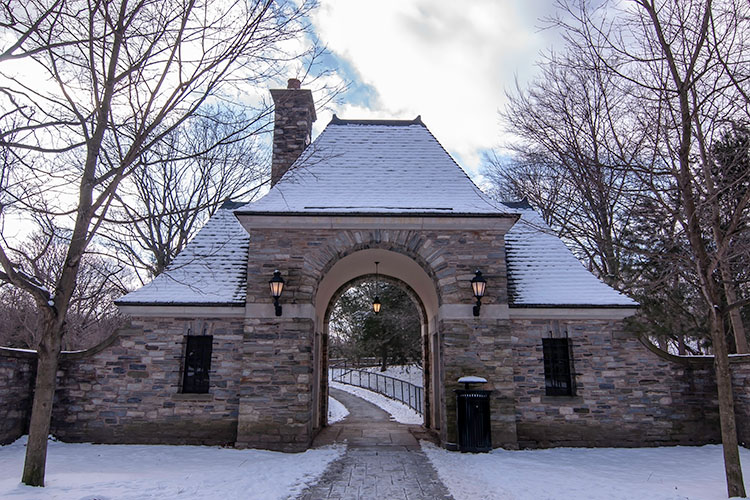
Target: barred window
558,380
197,363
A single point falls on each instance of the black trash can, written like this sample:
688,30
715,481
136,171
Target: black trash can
473,419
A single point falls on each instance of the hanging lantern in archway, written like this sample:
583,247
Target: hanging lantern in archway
376,303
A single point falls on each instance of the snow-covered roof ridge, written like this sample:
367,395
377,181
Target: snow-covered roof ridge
542,271
376,167
210,270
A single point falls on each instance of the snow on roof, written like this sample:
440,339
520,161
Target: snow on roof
542,271
211,269
375,166
359,166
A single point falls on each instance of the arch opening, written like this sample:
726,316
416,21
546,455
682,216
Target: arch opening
395,269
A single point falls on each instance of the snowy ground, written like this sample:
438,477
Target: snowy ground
145,472
399,411
669,473
395,384
410,373
336,411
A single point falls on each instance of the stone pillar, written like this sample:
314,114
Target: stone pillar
293,118
276,387
481,347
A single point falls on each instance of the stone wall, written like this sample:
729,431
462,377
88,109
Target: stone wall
740,366
279,367
277,385
483,348
448,257
17,371
128,390
626,393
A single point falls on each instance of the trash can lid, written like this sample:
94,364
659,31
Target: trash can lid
471,379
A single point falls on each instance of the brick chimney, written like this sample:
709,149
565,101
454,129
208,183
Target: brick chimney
293,118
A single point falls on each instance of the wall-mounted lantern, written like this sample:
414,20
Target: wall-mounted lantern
277,286
478,285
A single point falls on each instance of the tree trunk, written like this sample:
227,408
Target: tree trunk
663,344
732,466
48,354
735,315
681,345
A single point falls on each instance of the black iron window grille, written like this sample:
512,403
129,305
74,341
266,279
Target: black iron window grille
558,364
197,364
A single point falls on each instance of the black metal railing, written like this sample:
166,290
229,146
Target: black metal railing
391,387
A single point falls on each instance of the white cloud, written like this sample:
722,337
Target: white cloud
449,61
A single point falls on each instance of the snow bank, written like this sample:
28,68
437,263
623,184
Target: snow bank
409,373
399,411
144,472
336,411
670,473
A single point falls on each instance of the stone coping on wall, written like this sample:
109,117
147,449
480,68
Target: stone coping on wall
694,361
13,352
175,310
570,312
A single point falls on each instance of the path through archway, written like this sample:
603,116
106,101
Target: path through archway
398,269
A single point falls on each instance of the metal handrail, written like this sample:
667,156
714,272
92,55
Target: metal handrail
390,387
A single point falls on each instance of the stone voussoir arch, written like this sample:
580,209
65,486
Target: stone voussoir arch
410,243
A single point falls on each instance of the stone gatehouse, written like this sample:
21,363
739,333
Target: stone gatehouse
207,360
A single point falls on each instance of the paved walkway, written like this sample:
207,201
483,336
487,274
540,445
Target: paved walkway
383,459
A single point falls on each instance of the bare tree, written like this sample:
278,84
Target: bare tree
730,156
392,335
181,182
92,315
102,83
686,65
572,156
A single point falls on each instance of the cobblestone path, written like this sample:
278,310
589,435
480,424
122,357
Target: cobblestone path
383,460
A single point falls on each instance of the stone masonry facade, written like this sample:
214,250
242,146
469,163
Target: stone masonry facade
128,389
448,257
17,372
625,394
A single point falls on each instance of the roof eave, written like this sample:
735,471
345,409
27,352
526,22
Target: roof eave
377,214
251,220
575,306
119,303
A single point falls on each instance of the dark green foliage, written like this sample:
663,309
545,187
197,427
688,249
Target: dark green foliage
392,336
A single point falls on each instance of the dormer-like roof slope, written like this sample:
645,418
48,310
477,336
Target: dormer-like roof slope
375,166
210,270
542,271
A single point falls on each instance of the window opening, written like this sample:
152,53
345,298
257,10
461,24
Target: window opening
558,380
197,363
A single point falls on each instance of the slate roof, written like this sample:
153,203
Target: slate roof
375,166
542,271
210,270
384,167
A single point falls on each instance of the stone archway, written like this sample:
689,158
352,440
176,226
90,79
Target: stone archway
407,273
434,256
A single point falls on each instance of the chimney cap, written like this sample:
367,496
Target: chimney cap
293,83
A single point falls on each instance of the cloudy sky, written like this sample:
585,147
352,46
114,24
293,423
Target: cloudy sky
449,61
